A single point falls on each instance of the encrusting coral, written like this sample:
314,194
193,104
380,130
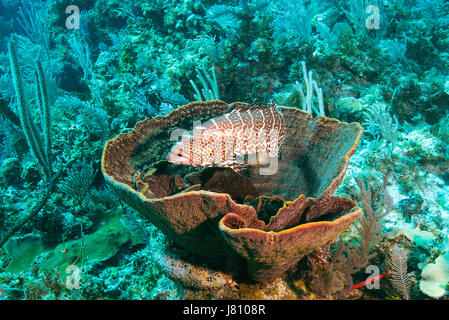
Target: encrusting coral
265,222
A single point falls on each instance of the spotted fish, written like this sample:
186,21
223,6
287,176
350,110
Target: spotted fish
248,135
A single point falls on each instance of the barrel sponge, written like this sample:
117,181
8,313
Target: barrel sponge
269,254
187,204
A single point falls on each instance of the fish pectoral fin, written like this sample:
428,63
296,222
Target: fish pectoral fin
239,156
242,170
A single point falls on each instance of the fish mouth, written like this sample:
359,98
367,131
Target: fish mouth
179,159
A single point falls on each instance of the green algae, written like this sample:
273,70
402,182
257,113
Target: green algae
101,245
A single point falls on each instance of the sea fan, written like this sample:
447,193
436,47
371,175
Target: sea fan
7,92
380,124
78,181
397,270
8,138
225,16
293,19
351,257
207,45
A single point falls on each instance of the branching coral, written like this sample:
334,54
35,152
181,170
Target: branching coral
350,258
397,272
228,16
39,143
78,181
8,139
81,52
293,19
207,45
307,99
369,229
32,19
209,89
380,124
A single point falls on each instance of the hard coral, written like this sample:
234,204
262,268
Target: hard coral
198,208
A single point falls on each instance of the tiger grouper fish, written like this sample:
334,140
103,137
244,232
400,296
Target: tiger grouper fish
255,131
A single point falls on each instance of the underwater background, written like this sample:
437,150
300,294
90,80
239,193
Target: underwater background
76,74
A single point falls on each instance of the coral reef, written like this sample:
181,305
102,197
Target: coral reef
68,89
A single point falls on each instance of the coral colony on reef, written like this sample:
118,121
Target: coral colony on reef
224,149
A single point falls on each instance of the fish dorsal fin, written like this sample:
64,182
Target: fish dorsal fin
242,107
